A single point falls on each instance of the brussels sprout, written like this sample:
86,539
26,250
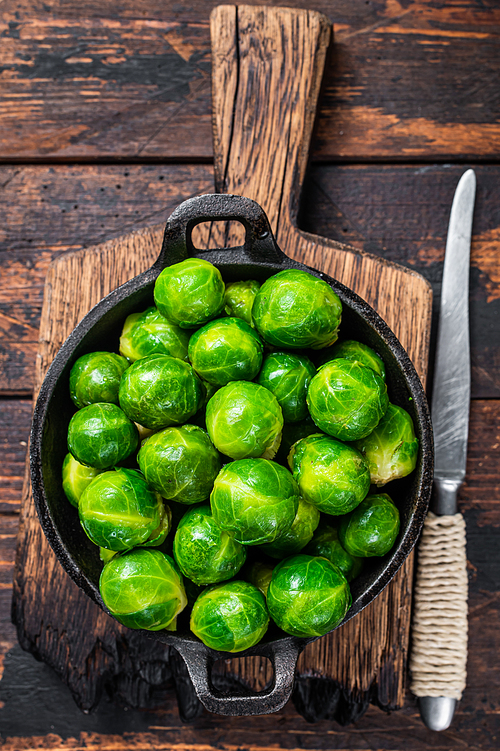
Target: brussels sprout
96,378
203,551
294,309
159,391
75,478
357,351
391,450
308,596
244,419
326,544
255,500
259,574
224,350
346,399
118,510
287,376
294,539
332,476
371,529
143,589
239,299
230,617
293,432
190,293
101,435
180,463
149,333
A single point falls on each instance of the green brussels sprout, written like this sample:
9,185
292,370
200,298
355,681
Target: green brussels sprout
295,310
244,419
308,596
332,476
239,299
294,539
159,391
230,617
287,376
259,574
96,378
203,551
180,463
371,529
391,450
142,588
75,478
118,510
255,500
101,435
357,351
190,293
326,544
149,333
346,399
293,432
224,350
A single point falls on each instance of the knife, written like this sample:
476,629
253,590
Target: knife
439,630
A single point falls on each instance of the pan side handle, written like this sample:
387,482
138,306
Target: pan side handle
283,655
260,245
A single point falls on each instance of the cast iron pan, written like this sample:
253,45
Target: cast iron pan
258,258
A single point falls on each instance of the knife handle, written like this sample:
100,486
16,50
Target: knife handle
439,630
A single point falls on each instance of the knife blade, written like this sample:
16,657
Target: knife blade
451,389
451,396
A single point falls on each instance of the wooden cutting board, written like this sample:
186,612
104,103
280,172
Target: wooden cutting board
267,69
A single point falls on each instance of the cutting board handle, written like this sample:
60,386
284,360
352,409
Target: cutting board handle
267,66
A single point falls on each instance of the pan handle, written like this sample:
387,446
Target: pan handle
260,245
199,661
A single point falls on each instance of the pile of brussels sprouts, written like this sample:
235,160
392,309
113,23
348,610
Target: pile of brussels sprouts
268,440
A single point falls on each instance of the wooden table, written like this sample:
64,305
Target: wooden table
105,126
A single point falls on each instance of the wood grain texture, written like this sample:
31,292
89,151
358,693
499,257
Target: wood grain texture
267,70
396,212
88,80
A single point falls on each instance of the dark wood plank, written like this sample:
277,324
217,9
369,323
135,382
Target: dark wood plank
90,79
9,523
397,212
15,420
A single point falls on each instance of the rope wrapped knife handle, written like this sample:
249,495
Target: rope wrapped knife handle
439,652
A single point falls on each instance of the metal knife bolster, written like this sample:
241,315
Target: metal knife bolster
444,500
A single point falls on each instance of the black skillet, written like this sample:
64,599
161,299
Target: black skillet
258,258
